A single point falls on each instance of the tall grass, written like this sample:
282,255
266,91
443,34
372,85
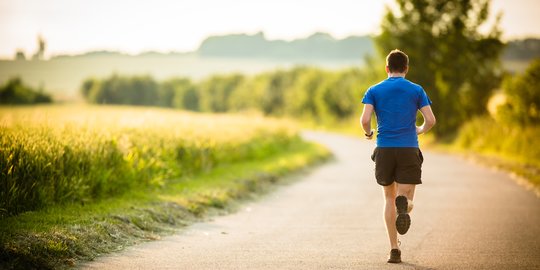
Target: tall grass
485,135
54,154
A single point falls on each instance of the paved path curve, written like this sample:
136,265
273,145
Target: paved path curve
465,217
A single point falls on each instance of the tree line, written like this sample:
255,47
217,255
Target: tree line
303,92
315,94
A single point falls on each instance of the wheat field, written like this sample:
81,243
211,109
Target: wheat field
56,154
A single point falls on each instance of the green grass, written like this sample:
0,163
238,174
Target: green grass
507,146
62,236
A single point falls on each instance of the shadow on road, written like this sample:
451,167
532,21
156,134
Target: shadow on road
415,266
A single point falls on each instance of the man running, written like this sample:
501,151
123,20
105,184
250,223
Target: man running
398,159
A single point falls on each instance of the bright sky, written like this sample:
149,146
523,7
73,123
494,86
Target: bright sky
133,26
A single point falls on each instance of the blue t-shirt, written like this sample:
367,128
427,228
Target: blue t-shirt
396,101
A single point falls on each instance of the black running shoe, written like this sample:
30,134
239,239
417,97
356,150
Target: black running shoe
395,256
403,220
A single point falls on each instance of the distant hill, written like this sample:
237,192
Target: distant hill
322,46
90,54
317,46
104,54
523,50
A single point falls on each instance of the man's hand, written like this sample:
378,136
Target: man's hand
419,130
370,135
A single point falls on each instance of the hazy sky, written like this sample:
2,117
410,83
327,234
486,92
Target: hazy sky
75,26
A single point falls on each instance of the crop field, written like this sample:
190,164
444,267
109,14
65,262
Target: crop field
51,155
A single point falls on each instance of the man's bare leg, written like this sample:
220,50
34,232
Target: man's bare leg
390,214
407,190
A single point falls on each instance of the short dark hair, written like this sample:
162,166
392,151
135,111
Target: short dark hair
397,61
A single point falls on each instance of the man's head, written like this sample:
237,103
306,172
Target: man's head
397,62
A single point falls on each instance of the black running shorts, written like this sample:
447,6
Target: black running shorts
400,164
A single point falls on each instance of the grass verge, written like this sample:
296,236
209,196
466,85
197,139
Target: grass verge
63,236
506,146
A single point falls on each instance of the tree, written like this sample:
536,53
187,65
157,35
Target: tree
87,87
19,55
40,53
523,97
136,90
185,94
456,64
300,98
338,96
14,92
140,90
249,95
215,92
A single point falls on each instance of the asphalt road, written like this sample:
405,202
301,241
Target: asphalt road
465,217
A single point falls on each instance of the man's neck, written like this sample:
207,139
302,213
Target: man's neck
394,75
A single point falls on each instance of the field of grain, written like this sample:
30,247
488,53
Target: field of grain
56,154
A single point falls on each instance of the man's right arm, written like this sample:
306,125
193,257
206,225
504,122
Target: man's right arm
365,120
429,120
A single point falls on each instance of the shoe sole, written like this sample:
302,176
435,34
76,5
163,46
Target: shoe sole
403,220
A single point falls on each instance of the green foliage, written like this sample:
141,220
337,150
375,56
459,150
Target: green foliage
523,97
64,155
137,90
166,94
507,141
214,92
456,64
301,98
250,95
300,92
485,135
505,145
340,95
14,92
182,94
88,86
273,99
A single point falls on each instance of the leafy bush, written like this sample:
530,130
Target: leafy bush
136,90
523,97
215,91
14,92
